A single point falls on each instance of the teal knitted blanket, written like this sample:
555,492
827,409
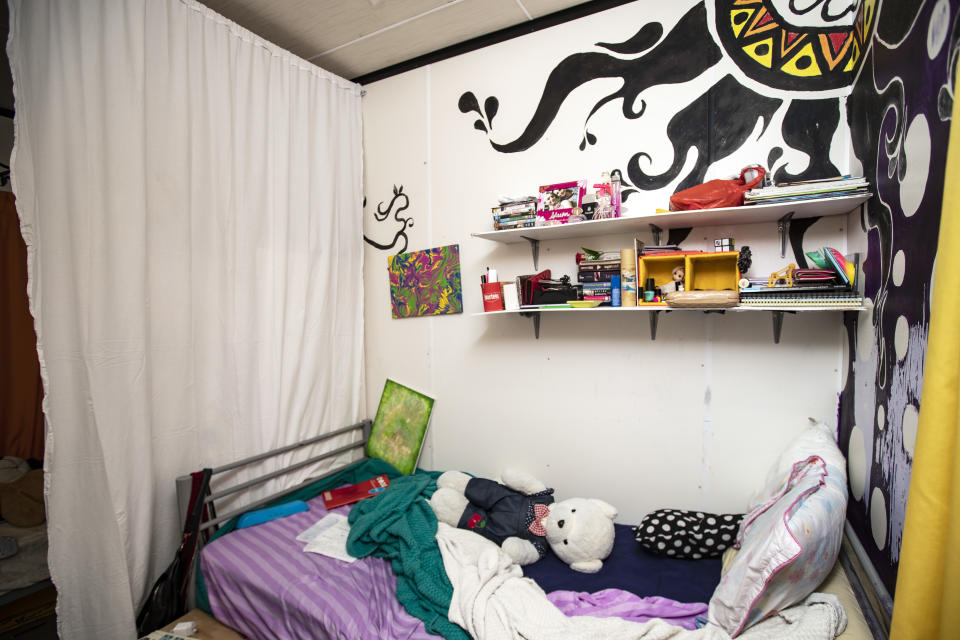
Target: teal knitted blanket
400,526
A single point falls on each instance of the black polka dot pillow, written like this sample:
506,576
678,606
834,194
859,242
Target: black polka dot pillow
687,534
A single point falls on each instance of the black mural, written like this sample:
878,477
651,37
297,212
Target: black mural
765,48
673,60
947,91
716,124
381,215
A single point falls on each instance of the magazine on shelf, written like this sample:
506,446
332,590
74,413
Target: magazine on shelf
811,187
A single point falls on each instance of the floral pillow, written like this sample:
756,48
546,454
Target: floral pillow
788,543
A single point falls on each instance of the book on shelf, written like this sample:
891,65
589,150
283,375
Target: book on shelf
806,190
355,492
516,215
819,180
513,220
504,226
597,298
825,184
612,268
527,205
846,268
797,198
596,276
798,300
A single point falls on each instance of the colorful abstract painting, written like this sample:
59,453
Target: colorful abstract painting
399,427
426,283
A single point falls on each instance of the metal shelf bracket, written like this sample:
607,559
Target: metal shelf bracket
656,231
783,227
778,324
536,321
534,249
654,319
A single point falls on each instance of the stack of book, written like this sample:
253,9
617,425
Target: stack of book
841,291
807,189
663,250
594,277
515,215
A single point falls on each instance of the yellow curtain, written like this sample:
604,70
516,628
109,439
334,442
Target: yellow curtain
927,600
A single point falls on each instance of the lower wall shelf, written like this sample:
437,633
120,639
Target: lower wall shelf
654,311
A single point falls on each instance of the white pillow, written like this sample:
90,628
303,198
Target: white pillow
789,542
817,439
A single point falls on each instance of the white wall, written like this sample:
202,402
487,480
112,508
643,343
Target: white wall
594,407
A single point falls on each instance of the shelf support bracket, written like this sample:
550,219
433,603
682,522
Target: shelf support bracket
534,249
783,227
656,231
654,319
536,322
778,324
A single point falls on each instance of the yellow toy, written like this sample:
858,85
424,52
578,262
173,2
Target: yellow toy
785,274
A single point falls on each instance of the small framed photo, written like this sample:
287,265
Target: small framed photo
557,202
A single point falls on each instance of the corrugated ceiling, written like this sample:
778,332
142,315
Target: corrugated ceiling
353,38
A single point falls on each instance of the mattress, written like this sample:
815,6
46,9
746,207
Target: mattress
633,569
260,582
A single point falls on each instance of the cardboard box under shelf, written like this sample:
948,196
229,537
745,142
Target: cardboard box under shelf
712,271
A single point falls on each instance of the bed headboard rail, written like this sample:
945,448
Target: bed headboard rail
362,433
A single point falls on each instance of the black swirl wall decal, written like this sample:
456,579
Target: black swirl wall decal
716,124
381,215
721,120
685,53
829,10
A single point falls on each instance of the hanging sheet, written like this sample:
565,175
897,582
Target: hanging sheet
190,196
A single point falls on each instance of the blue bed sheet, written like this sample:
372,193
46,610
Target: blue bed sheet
633,569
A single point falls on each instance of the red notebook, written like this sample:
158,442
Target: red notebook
355,492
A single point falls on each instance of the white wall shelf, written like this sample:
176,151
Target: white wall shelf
780,213
777,311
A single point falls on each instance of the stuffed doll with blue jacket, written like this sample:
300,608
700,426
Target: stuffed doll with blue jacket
520,514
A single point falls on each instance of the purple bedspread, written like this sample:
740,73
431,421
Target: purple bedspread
611,603
261,583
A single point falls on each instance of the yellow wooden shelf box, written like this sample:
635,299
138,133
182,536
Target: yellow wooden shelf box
702,271
660,268
712,271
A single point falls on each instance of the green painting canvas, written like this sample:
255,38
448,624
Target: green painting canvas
399,427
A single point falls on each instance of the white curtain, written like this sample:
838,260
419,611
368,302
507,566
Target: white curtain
191,199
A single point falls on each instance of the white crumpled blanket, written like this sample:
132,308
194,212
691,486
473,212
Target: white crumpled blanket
493,601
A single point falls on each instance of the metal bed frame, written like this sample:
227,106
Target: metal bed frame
360,429
871,594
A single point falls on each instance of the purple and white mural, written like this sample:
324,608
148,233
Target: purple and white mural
899,114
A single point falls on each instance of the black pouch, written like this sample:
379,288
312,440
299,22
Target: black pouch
555,295
541,289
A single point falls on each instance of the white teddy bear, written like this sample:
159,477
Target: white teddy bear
520,515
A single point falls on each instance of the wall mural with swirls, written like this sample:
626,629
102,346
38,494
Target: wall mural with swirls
396,224
797,83
900,124
775,64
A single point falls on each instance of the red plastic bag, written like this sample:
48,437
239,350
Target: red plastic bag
716,193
